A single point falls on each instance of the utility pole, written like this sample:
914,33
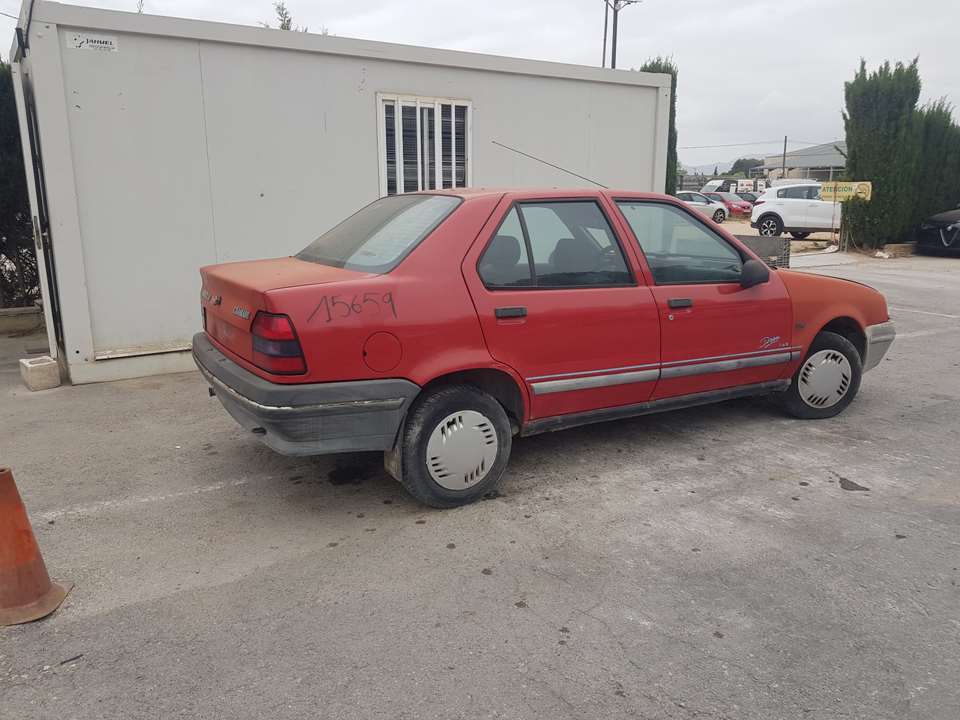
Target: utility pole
616,6
606,19
783,166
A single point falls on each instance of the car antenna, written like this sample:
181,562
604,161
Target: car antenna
534,157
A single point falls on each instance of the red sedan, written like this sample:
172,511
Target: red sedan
735,204
437,327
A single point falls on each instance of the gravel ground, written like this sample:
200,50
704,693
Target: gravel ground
719,562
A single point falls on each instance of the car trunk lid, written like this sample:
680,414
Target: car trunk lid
233,294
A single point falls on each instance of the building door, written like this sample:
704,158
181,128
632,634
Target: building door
559,304
714,333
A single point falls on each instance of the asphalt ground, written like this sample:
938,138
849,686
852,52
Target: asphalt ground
717,562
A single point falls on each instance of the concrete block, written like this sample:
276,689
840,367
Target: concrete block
41,373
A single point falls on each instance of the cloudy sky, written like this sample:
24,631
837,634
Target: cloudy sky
751,71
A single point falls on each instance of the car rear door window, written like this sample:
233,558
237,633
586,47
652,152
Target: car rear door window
505,262
562,244
679,249
793,193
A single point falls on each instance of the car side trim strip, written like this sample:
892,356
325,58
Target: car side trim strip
594,381
589,379
708,368
593,372
769,351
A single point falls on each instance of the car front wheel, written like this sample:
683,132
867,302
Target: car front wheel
827,381
719,216
770,226
456,444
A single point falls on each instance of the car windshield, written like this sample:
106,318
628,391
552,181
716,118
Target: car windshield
378,237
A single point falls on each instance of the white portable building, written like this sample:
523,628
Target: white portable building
156,145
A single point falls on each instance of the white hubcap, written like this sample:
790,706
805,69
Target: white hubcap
824,379
461,450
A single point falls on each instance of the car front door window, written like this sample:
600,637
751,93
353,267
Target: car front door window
678,248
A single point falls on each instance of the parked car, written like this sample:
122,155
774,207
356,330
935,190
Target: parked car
734,203
437,327
750,197
940,234
713,209
796,209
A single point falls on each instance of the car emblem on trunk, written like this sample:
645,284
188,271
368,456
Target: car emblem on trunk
241,312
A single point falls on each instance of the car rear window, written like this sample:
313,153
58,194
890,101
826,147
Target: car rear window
378,237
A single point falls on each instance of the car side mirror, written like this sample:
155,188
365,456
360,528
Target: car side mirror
753,273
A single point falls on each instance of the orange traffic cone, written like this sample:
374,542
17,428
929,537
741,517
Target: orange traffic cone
26,592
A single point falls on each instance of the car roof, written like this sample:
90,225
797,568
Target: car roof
793,185
547,193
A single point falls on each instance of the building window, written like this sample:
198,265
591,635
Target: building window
424,143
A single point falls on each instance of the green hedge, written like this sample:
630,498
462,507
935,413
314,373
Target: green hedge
911,154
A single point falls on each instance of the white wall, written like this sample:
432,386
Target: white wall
196,143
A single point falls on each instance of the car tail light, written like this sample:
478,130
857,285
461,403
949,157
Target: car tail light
276,348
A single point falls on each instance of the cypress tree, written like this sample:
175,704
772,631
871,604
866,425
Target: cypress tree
884,145
666,65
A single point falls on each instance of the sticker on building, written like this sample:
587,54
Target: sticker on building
89,41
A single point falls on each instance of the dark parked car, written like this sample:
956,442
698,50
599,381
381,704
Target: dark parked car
940,234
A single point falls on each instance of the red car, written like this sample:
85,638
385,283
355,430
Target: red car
735,204
439,326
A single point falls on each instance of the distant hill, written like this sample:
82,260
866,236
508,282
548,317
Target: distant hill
707,169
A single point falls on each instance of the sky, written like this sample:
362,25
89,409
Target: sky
750,71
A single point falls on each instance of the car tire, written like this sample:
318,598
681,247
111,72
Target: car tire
770,226
799,235
826,381
456,444
719,216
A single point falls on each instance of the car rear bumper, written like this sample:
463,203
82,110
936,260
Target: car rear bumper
308,419
879,339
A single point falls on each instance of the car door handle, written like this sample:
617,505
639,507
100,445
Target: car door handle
510,312
674,303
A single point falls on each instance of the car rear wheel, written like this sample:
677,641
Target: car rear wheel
827,381
770,226
799,235
456,444
719,216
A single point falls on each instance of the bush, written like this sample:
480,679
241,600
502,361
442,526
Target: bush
19,281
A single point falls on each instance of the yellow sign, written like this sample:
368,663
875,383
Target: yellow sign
838,191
